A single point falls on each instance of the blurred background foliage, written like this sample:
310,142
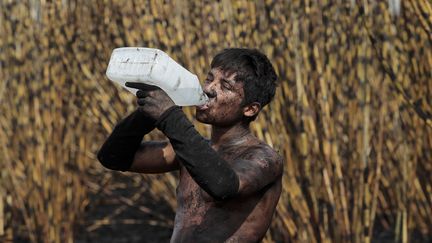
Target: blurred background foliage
352,115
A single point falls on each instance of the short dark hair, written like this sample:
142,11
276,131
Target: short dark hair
252,68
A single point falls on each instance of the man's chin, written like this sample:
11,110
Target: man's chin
202,117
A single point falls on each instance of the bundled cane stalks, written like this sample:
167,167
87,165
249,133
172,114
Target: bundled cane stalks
352,115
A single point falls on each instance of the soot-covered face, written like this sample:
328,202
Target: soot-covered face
225,105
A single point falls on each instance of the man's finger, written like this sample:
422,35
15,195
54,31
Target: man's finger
141,102
141,86
142,94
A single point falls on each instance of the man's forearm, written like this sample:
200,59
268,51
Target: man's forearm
209,170
118,151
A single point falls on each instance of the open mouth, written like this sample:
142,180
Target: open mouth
204,106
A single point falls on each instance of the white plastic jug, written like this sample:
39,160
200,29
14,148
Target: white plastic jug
155,67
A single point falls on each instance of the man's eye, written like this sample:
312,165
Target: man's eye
226,85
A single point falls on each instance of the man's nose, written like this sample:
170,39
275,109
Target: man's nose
209,89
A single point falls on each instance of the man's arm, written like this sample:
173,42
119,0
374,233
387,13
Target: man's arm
258,167
154,157
212,173
124,151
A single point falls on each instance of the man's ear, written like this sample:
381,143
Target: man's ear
252,109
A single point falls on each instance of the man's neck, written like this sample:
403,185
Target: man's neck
229,135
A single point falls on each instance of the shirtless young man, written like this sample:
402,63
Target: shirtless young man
229,186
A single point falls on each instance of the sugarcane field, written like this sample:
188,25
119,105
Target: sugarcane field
246,121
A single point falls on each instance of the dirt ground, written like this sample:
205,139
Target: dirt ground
122,209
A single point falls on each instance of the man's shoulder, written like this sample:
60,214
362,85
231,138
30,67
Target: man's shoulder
264,149
265,155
